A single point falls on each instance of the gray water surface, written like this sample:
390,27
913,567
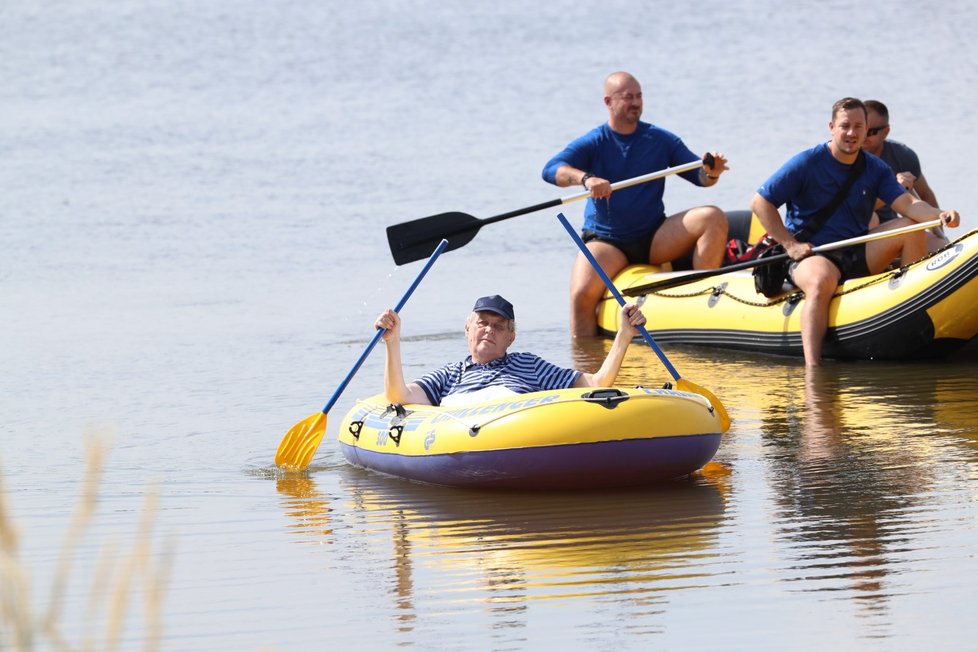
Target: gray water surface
193,199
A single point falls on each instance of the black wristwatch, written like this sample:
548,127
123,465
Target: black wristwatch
587,175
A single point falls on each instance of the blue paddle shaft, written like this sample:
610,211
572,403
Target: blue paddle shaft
380,331
611,287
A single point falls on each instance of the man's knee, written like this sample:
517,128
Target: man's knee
587,289
821,287
816,275
714,220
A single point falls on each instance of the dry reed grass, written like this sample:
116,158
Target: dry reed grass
114,587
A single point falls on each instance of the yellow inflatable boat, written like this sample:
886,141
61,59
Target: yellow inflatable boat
923,310
571,438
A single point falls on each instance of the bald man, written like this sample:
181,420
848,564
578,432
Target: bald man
630,226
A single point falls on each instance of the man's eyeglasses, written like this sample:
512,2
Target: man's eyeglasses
498,326
872,131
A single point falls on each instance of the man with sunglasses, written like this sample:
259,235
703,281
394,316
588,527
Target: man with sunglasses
630,226
490,371
903,161
807,184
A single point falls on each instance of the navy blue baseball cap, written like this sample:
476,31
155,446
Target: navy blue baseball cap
495,304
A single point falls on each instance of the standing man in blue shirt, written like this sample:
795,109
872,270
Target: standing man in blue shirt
807,183
490,370
631,227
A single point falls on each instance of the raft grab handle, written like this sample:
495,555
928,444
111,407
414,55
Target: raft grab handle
355,428
607,398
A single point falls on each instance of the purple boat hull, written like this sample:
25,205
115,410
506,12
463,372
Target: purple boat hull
608,464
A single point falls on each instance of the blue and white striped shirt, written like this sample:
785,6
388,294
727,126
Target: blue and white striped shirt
520,372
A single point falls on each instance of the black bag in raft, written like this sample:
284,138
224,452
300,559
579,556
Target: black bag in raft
769,278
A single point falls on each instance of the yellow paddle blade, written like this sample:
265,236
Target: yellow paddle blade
684,385
714,469
300,443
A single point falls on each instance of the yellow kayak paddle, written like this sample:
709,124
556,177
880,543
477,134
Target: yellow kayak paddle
300,443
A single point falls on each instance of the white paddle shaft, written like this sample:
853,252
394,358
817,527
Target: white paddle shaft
634,181
879,235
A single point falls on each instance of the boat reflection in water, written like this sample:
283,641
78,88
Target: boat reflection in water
507,548
855,462
530,545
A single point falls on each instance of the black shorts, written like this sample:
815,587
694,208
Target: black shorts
635,250
851,262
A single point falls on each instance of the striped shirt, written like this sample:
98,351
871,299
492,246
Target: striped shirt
520,372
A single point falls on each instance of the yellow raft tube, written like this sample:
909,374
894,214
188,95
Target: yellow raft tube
562,439
922,310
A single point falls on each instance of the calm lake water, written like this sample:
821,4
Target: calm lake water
193,199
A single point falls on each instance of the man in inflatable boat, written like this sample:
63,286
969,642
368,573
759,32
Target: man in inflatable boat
830,191
489,370
904,162
630,226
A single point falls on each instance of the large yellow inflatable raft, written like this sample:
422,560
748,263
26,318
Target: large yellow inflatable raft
571,438
922,310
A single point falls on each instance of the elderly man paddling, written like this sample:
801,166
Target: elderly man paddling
490,370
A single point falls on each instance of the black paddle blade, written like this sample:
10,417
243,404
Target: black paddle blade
415,240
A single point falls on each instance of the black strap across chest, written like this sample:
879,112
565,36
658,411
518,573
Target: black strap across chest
816,221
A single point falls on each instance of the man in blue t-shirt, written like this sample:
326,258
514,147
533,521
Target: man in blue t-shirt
806,184
489,370
630,226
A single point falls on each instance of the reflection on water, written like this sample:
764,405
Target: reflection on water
506,549
853,468
307,508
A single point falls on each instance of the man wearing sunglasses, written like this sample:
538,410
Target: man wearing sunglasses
905,164
829,196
